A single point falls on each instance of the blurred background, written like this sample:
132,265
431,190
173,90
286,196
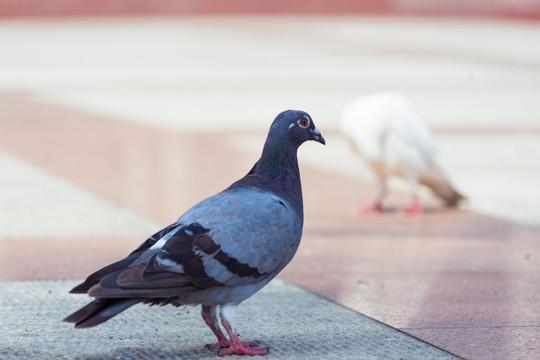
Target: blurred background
470,68
116,116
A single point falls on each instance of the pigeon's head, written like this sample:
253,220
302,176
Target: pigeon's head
296,126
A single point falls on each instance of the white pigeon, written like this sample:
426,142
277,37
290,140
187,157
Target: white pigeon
394,140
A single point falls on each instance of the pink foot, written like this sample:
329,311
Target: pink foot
368,210
413,210
226,344
244,348
220,344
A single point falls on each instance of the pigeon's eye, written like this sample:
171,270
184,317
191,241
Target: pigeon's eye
303,122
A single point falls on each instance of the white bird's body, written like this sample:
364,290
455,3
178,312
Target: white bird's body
386,131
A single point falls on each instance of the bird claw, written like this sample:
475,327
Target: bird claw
245,348
413,210
368,210
214,346
409,212
251,343
227,344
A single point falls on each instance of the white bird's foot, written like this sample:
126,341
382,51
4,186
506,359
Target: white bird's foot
413,210
368,210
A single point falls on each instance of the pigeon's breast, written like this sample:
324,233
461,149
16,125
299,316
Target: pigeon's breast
255,227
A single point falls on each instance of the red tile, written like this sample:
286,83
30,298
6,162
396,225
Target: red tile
156,172
26,8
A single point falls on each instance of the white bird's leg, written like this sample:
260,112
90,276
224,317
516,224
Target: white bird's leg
415,207
209,315
236,346
381,194
377,205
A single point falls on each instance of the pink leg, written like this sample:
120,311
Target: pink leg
209,316
236,346
414,209
377,206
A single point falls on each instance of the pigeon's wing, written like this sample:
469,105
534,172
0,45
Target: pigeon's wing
153,275
96,277
260,235
233,239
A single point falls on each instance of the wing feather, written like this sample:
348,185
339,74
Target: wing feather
218,251
96,277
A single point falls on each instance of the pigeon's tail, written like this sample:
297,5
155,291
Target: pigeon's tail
99,311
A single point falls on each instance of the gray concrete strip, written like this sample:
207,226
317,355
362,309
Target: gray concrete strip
293,322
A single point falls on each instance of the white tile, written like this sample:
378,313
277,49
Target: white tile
35,203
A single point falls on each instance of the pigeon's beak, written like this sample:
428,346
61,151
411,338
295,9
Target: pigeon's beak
316,133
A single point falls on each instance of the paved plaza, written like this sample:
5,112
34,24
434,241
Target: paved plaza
110,128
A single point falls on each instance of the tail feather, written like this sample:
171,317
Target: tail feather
444,190
439,181
96,277
99,311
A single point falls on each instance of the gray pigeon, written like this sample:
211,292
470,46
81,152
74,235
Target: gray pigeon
221,251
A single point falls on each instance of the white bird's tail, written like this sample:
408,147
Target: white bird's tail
439,182
443,190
